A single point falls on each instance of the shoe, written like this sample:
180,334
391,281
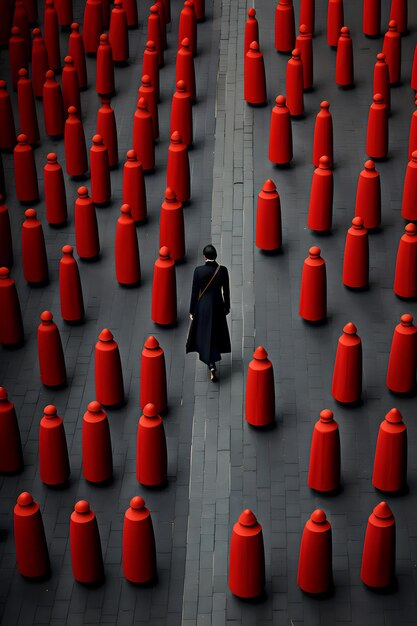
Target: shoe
213,374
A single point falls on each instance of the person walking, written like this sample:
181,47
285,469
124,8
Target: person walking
210,303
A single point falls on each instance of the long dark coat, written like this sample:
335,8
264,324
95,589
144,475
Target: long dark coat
209,334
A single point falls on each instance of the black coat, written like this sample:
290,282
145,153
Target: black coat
209,334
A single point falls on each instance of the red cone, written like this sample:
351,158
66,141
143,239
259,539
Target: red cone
105,14
412,140
409,202
104,68
184,68
26,179
75,148
381,79
371,18
323,135
164,289
251,30
118,33
131,9
199,8
155,34
313,291
268,218
280,133
413,82
171,226
21,20
27,109
96,445
405,280
7,127
304,43
162,22
377,133
64,12
51,36
53,106
188,26
247,557
138,547
344,59
307,11
324,467
51,356
260,390
254,76
356,256
54,189
39,62
17,55
181,113
284,26
11,325
100,172
151,449
85,546
378,556
106,127
86,229
150,66
29,537
321,197
390,462
6,21
126,249
401,374
32,10
295,84
147,91
143,141
70,85
77,52
11,457
34,259
368,196
108,370
347,372
399,13
315,574
392,50
71,295
54,465
153,380
134,192
335,20
178,168
167,10
6,243
93,25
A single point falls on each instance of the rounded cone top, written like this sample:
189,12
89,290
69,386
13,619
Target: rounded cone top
247,518
22,138
326,415
105,101
47,317
97,139
181,85
51,157
269,186
36,32
3,393
131,155
394,416
82,191
118,3
94,406
254,46
137,503
324,162
314,252
15,30
151,343
4,272
251,12
280,101
176,137
30,213
146,79
72,110
103,38
303,29
350,329
164,252
67,250
260,354
50,75
74,26
296,53
392,25
142,104
411,229
50,410
382,511
344,31
318,516
357,222
378,98
25,499
406,319
126,209
414,155
185,42
369,165
324,104
68,59
154,9
82,506
150,45
380,56
23,72
170,194
105,335
149,410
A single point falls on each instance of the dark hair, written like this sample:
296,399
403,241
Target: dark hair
210,252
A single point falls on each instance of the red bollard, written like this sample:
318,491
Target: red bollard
104,68
390,462
27,109
17,55
143,141
26,178
321,197
187,26
344,59
39,62
313,291
134,192
392,50
21,20
6,22
3,192
7,127
356,256
347,372
32,10
307,15
11,457
153,379
75,149
155,33
77,52
138,547
171,226
100,172
34,259
150,65
167,10
87,240
151,449
50,353
147,91
131,8
412,139
260,390
381,79
126,249
108,370
324,467
247,557
401,374
162,22
184,67
413,82
268,218
93,25
378,556
368,196
64,12
323,135
105,14
118,33
295,84
106,127
51,36
315,572
53,106
164,289
251,31
409,201
199,8
335,20
182,113
85,545
280,133
284,26
70,290
54,468
97,457
371,18
377,133
405,280
254,76
304,43
6,243
70,85
29,537
54,189
399,13
11,324
178,168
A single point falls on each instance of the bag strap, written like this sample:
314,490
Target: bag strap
201,294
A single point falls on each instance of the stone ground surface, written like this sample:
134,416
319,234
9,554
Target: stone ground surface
217,464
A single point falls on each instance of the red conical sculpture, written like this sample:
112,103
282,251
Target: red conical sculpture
70,85
153,380
25,176
399,13
307,14
188,26
143,141
64,12
106,127
347,372
377,133
29,537
381,79
6,243
27,109
284,26
184,68
315,572
34,259
85,546
105,13
344,59
7,127
151,449
50,353
97,457
171,226
392,50
368,196
260,390
155,33
390,461
134,192
11,324
75,149
126,249
295,84
254,84
251,30
77,52
324,467
54,189
147,91
182,113
313,291
108,370
93,25
321,197
323,135
138,547
100,171
86,229
371,18
53,106
39,62
304,43
11,457
335,20
413,82
356,256
51,36
54,468
268,218
409,201
401,374
131,9
21,20
71,295
280,133
178,168
412,140
150,65
378,556
104,68
118,33
17,55
247,557
164,289
405,280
